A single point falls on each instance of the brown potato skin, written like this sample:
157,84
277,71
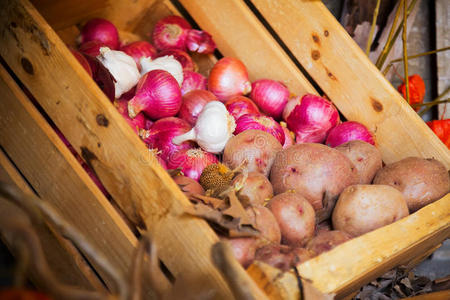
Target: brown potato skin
256,189
259,148
421,181
295,216
243,249
327,240
190,186
362,208
266,223
365,157
281,256
318,172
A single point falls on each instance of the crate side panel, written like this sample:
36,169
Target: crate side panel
238,33
351,81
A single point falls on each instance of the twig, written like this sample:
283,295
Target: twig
372,28
421,113
388,67
431,103
405,52
392,38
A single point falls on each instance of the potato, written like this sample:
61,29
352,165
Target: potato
281,256
265,222
421,181
256,189
326,240
295,216
362,208
243,249
257,147
366,158
188,185
319,173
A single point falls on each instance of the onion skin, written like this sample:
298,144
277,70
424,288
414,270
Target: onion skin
229,78
139,49
312,119
91,48
157,94
185,60
170,33
100,30
191,161
160,136
289,107
82,60
193,81
139,122
271,96
349,131
288,139
193,103
260,122
240,105
200,41
188,185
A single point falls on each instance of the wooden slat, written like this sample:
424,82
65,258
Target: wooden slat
353,83
58,177
63,258
352,264
92,125
238,33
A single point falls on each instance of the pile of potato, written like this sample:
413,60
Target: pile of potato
308,198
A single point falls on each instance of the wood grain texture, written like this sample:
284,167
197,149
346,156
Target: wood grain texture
57,176
130,173
352,264
63,258
351,81
238,33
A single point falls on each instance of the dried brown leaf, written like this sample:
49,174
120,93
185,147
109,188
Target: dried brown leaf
215,203
236,210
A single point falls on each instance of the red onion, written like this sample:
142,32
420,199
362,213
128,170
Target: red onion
288,139
240,105
228,78
91,48
200,41
292,103
312,119
100,30
349,131
271,96
171,32
192,162
128,95
139,49
157,94
139,122
193,103
192,81
160,136
185,60
82,60
102,76
260,122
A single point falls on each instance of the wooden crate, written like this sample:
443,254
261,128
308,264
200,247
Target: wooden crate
297,42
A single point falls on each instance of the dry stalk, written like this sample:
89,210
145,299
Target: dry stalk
405,51
372,28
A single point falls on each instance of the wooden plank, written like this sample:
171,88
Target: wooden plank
441,295
378,251
58,177
348,77
238,33
142,188
63,258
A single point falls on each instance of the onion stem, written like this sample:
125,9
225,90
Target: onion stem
372,28
405,51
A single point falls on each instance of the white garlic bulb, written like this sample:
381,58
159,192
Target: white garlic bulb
122,67
167,63
213,129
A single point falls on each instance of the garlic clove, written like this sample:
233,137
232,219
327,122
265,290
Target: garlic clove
167,63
